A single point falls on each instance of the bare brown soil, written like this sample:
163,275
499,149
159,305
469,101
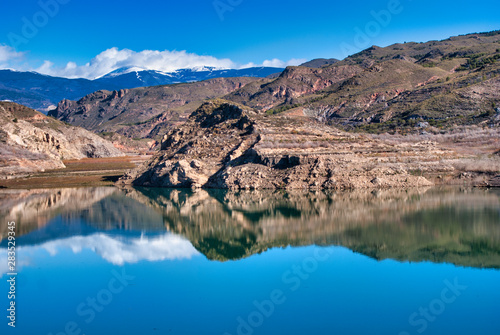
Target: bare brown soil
78,173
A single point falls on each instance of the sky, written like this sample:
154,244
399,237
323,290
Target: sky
89,38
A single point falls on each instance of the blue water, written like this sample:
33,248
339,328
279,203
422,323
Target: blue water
154,281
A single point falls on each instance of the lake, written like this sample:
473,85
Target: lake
158,261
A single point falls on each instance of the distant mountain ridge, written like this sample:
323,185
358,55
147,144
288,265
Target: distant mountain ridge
43,92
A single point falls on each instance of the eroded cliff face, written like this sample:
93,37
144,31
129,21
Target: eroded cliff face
224,145
31,141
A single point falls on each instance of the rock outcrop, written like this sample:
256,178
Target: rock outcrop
30,141
225,145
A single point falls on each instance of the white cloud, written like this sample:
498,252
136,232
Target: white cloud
115,250
120,251
114,58
166,61
277,63
7,54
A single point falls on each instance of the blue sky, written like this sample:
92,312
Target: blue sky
233,33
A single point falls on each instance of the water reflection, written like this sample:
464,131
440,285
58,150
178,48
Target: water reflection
459,226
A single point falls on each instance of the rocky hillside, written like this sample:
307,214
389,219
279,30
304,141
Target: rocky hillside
403,88
319,62
42,92
31,141
290,132
444,83
224,145
294,82
143,112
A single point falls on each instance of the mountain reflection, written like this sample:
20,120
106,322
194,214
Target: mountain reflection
459,226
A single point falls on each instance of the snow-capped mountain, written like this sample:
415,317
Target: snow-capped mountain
42,92
131,77
121,71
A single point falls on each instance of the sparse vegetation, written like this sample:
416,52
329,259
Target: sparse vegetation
282,109
478,61
429,64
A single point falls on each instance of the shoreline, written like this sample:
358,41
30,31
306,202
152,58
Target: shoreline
97,172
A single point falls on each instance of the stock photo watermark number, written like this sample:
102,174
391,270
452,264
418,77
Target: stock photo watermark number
11,264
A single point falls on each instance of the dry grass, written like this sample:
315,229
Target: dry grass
98,164
61,181
472,140
480,164
293,145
